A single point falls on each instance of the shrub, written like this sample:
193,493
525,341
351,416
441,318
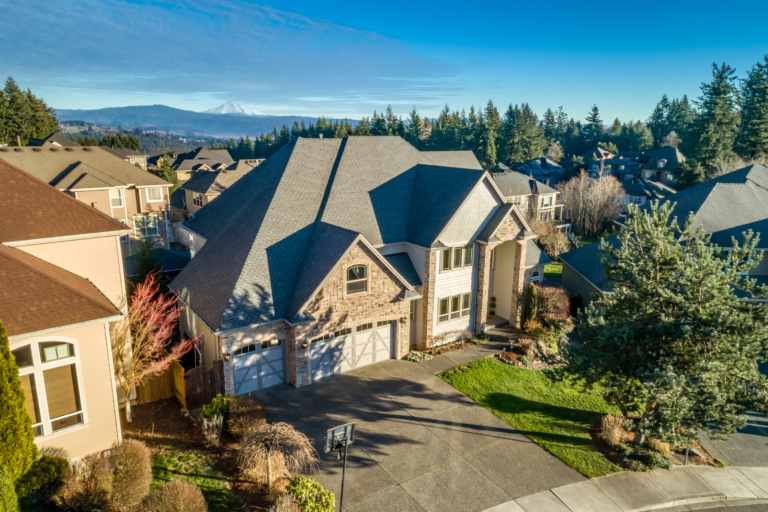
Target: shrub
17,449
219,406
245,416
42,480
652,459
612,429
526,361
555,244
417,356
554,302
310,495
658,446
530,305
87,486
212,429
132,474
532,324
481,338
8,500
175,496
273,450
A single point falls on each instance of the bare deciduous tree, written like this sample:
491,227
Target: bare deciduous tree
589,202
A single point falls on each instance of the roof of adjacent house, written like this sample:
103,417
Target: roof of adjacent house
216,182
621,161
647,188
274,237
177,198
170,261
195,159
597,154
514,183
673,158
56,139
723,207
535,256
80,167
37,295
538,165
630,154
122,152
463,159
30,209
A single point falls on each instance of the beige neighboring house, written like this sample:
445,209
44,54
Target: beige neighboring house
188,163
335,254
138,199
129,155
205,186
62,271
535,199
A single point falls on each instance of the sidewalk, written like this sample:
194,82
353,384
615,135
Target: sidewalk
682,488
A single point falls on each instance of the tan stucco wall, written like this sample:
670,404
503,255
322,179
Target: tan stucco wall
101,429
97,259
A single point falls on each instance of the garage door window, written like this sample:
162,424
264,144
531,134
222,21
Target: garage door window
251,347
357,279
270,344
364,327
342,332
320,338
383,323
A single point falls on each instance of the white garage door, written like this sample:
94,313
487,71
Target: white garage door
351,348
257,366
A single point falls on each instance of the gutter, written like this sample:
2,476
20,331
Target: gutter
19,337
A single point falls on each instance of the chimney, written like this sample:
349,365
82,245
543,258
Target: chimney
321,135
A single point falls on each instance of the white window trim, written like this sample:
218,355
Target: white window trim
135,230
367,280
452,255
155,200
42,398
460,311
536,276
195,197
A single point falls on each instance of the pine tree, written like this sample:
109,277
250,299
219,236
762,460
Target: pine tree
659,120
20,119
415,131
167,172
524,137
714,129
594,130
681,117
550,124
4,114
530,304
673,332
17,442
752,140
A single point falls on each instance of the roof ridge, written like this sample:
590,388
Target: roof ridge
94,176
51,276
79,203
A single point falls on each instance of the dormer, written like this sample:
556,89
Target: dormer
660,164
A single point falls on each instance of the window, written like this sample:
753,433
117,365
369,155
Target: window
457,257
364,327
31,403
342,332
55,351
270,344
63,397
535,277
145,226
385,322
116,197
661,163
546,201
320,338
636,199
446,260
357,279
23,357
493,259
412,314
154,194
516,200
197,199
245,349
454,307
468,250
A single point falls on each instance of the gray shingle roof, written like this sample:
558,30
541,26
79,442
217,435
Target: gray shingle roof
535,256
646,188
463,159
672,156
402,263
518,184
540,164
498,217
122,152
272,236
215,182
586,261
57,139
170,261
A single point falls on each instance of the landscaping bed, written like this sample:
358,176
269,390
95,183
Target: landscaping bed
448,347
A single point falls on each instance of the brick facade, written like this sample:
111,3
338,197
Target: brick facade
428,301
483,285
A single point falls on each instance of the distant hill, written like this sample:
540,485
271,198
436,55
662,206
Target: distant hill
184,122
234,108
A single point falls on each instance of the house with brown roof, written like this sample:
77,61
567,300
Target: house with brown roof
62,284
533,198
334,254
137,198
205,186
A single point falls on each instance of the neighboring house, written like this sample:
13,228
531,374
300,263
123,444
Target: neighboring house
544,170
113,186
129,155
205,186
62,283
724,207
597,154
338,253
171,263
618,167
639,191
534,199
57,139
662,164
186,164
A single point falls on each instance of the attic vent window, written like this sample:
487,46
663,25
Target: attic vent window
661,164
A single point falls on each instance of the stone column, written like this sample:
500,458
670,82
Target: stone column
403,334
518,283
483,285
429,299
298,355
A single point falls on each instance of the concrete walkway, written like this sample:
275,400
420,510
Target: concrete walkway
682,488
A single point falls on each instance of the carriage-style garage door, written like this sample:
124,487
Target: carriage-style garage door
257,366
351,348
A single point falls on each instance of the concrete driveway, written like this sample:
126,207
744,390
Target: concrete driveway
419,443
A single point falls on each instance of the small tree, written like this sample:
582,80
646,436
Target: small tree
145,257
273,450
8,499
140,340
530,304
590,204
673,333
17,442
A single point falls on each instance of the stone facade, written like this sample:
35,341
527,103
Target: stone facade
483,285
428,301
232,341
518,283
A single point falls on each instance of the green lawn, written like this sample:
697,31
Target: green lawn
553,270
554,415
586,241
191,465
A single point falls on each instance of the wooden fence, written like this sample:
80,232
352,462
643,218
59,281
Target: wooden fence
166,385
203,384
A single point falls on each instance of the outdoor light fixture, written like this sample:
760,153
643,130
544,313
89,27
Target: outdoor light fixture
303,345
227,356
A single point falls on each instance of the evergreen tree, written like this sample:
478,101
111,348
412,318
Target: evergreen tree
714,129
524,137
659,120
4,114
689,173
415,131
673,332
549,123
752,140
20,117
167,173
594,130
681,117
17,442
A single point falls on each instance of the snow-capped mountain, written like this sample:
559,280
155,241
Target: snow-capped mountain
233,108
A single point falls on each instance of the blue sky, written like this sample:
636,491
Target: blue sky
347,59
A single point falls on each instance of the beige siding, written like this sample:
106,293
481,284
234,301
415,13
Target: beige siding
97,259
575,284
454,282
99,199
503,277
470,219
191,326
95,367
